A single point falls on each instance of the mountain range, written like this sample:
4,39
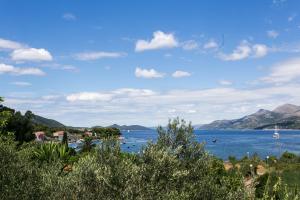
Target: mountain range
55,124
129,127
286,116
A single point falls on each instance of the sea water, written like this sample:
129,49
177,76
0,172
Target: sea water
224,143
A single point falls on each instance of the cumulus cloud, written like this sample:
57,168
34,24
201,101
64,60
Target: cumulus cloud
179,74
21,83
21,52
31,54
189,45
286,71
9,69
272,34
242,51
69,17
211,44
98,55
245,50
160,40
148,73
8,44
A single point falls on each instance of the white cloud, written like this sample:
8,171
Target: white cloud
9,69
21,83
155,107
245,50
211,44
98,55
242,51
58,66
160,40
132,92
110,95
286,71
191,111
89,96
69,17
189,45
8,44
147,73
31,54
278,2
272,34
259,50
179,74
50,97
225,82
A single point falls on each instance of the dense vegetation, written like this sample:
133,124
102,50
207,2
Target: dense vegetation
175,167
106,132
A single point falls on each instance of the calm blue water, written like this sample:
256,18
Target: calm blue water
235,143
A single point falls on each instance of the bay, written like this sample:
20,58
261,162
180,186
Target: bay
238,143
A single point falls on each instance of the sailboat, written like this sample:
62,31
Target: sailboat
276,133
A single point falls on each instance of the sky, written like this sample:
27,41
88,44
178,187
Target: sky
87,63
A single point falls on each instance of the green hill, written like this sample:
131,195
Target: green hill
46,122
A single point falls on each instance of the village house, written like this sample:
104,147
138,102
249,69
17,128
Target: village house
58,135
39,136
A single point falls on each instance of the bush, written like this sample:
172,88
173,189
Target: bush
176,167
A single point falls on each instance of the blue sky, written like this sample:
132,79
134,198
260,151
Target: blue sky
143,62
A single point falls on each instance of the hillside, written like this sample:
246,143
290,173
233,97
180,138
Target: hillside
129,127
286,116
46,122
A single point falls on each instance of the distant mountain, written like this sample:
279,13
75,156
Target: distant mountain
46,122
286,116
130,127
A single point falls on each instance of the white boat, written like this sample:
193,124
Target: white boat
128,131
276,133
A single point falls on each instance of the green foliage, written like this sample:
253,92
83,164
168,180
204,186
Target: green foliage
176,167
20,125
288,157
65,139
233,160
106,132
50,152
19,177
88,144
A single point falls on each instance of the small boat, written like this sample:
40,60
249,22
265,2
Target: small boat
276,133
215,140
128,131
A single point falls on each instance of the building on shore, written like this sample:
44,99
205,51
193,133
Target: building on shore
58,135
39,136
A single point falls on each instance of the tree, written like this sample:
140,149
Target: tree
65,139
4,116
107,132
87,145
21,126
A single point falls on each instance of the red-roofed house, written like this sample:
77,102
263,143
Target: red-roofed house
40,135
59,135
